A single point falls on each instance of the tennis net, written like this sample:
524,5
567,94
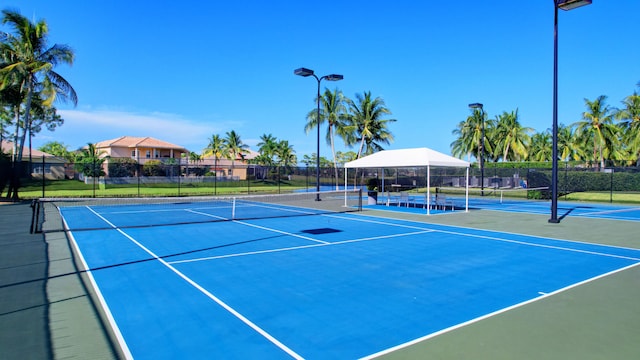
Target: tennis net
109,213
495,196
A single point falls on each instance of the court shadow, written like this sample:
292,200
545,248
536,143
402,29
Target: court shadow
567,212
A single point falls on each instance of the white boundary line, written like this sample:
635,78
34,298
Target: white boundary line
297,247
469,322
500,231
611,211
577,215
425,230
107,311
207,293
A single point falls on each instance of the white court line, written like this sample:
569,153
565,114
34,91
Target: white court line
519,234
520,242
469,322
296,247
116,330
231,310
604,212
541,245
262,227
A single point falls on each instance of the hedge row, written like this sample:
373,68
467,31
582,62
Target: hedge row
579,181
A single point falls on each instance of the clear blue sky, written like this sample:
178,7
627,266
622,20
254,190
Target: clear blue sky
182,71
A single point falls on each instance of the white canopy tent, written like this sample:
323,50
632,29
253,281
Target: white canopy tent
416,157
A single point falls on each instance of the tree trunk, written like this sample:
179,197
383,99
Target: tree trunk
333,152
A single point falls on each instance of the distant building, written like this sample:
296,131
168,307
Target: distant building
141,149
223,167
53,167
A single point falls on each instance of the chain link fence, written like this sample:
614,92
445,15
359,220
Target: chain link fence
126,177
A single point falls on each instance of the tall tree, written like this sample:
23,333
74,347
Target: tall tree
569,145
333,111
464,144
367,123
629,117
26,61
56,148
511,138
267,148
90,161
285,153
234,147
470,135
540,148
216,148
597,127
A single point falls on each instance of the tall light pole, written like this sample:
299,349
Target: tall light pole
332,77
564,5
479,106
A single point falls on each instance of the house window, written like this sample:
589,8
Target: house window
37,169
157,153
148,154
133,153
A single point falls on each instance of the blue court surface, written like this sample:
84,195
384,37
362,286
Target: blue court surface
329,286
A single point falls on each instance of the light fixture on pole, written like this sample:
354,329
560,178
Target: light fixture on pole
332,77
479,106
564,5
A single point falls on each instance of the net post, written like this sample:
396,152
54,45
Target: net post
359,199
233,209
345,198
35,216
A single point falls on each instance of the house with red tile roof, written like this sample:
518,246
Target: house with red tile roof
141,149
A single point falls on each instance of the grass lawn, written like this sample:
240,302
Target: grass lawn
604,196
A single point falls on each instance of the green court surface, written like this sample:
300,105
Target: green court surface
596,320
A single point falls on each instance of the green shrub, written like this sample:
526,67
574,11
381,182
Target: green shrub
153,168
122,167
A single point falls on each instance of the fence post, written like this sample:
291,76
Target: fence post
138,172
43,183
611,187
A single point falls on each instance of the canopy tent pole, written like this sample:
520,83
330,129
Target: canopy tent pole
345,186
466,193
428,190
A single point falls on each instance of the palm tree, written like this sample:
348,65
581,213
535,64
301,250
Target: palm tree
234,147
597,128
28,62
540,148
569,145
511,137
367,123
90,161
464,144
215,148
285,153
267,148
5,118
333,111
469,135
629,117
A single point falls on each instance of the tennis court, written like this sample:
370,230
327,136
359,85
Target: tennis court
503,200
316,285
